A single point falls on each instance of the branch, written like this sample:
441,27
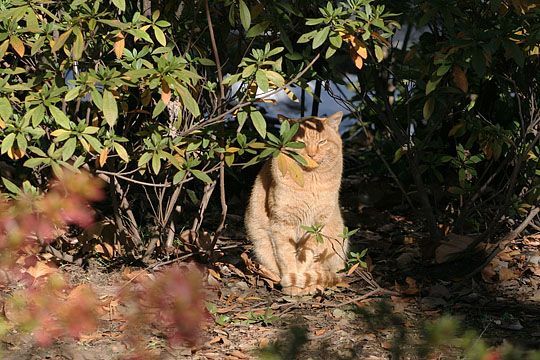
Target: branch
220,118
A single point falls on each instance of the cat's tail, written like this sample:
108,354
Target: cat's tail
309,278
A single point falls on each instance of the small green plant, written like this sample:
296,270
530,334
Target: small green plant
267,318
315,230
355,260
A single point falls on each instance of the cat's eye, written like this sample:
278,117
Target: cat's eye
323,141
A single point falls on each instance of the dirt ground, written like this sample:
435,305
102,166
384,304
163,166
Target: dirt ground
358,320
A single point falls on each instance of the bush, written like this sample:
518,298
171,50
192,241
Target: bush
158,98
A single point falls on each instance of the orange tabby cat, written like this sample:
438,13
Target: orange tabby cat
279,206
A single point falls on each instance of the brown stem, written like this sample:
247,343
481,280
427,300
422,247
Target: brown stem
220,105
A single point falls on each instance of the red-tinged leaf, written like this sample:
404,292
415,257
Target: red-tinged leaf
460,79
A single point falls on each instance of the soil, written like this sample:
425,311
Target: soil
250,319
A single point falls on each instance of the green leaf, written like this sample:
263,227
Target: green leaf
245,15
156,163
257,29
144,159
188,101
93,142
5,109
121,151
160,106
110,109
321,37
78,46
379,54
241,116
90,130
160,36
120,4
11,186
201,176
429,107
432,85
32,163
59,43
330,52
7,143
69,149
336,40
179,176
259,122
38,115
59,116
262,80
73,93
304,38
97,99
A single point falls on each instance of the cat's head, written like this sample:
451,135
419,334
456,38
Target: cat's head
320,136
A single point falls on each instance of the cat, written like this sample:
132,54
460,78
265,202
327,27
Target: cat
279,206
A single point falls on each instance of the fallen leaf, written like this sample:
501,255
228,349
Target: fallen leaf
506,274
41,269
454,245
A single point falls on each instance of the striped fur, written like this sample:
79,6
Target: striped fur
279,207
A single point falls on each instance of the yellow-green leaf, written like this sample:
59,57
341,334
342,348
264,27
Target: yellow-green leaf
245,15
259,122
188,101
429,107
59,116
121,151
160,36
120,4
59,43
110,108
282,163
78,46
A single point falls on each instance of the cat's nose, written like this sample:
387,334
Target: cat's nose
311,150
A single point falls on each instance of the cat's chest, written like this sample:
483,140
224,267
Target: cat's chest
307,204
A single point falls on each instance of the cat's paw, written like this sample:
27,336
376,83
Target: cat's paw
296,291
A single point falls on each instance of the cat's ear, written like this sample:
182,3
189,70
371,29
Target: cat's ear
334,120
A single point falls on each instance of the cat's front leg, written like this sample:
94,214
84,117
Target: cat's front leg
284,241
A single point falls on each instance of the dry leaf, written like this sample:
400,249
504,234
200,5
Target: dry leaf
460,79
103,155
165,92
105,249
17,45
311,164
353,268
358,62
296,171
15,153
488,273
454,245
119,45
506,274
282,163
41,269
